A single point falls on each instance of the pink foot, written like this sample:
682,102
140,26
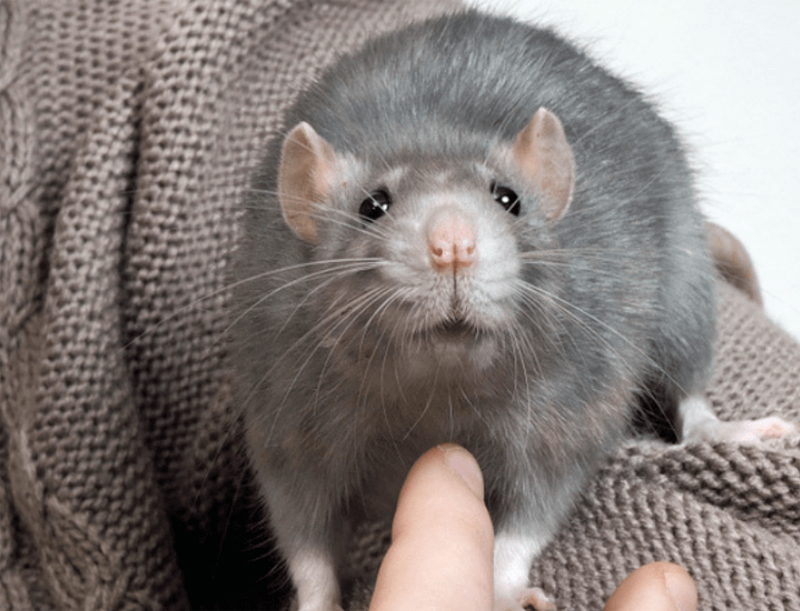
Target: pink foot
538,599
748,431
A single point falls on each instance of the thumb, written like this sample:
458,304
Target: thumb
659,586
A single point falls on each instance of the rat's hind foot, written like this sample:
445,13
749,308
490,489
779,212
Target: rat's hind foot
746,431
699,423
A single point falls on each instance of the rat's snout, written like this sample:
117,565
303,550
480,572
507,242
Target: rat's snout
451,239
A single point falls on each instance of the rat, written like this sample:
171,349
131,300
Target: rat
470,232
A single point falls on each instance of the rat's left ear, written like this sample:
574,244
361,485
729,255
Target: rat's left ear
543,154
308,164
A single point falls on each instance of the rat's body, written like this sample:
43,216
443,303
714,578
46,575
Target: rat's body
430,257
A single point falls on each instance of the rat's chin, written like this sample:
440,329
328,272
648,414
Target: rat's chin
450,347
459,343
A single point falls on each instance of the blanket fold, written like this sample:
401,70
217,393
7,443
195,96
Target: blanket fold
128,131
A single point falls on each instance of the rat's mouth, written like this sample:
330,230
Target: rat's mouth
457,328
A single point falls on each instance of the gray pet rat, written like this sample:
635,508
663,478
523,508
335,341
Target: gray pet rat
472,233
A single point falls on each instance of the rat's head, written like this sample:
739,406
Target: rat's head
429,256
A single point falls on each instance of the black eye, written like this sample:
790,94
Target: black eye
376,205
507,198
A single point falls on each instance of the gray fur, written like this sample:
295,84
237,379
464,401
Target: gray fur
336,414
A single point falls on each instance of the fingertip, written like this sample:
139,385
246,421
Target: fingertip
464,465
446,484
680,586
442,538
658,586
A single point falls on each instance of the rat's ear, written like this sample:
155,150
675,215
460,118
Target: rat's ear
543,154
306,172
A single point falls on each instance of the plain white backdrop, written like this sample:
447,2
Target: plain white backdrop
727,73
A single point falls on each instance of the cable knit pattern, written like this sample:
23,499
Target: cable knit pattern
127,132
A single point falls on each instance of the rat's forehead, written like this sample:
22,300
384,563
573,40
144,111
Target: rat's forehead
432,174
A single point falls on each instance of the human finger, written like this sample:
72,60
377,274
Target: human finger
442,539
659,586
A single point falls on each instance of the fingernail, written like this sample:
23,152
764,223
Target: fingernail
463,464
683,598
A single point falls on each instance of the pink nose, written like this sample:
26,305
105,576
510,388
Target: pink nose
451,241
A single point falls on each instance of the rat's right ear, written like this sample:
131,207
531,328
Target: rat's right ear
543,154
306,173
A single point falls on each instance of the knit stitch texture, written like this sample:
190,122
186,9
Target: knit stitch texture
127,133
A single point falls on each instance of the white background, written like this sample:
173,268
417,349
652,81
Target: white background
727,72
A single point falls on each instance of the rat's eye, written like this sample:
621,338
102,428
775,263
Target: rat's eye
375,206
506,197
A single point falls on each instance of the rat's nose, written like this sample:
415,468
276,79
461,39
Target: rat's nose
451,240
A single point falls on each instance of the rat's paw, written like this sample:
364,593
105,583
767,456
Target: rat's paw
538,599
513,554
772,427
699,423
747,431
535,598
295,606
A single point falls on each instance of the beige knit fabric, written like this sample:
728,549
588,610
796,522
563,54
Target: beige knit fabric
127,131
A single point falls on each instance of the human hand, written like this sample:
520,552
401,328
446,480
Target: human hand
442,546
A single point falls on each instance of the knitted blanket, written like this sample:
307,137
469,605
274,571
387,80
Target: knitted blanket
127,133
